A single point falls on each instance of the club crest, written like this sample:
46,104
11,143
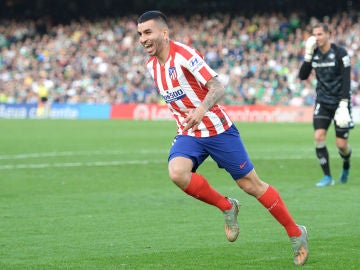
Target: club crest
172,73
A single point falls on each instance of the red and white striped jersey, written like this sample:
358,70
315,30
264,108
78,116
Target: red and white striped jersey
181,82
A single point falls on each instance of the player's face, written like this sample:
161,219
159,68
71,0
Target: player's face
152,36
322,38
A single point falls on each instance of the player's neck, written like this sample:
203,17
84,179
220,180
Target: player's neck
325,48
163,56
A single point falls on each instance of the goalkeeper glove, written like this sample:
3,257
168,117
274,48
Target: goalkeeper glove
310,45
342,115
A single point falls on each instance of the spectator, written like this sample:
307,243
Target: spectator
82,57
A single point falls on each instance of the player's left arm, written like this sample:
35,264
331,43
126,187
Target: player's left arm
215,94
345,68
208,77
342,114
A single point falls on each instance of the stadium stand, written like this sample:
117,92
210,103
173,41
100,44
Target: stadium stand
99,60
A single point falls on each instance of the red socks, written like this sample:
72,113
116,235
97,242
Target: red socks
272,201
200,189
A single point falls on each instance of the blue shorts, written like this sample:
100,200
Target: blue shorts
226,149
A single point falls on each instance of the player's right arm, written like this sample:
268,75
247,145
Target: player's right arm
305,70
306,66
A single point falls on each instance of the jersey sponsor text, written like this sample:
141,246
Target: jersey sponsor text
173,95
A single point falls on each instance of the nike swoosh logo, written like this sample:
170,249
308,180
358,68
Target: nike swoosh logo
243,164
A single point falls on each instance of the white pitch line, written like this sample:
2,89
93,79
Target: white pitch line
116,163
113,163
79,164
78,153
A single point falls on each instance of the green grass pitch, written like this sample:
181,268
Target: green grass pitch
96,195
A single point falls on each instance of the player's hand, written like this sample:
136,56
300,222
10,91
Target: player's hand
193,118
310,45
342,115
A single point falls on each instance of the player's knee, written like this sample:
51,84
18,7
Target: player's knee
252,185
343,148
247,187
175,175
320,135
178,175
180,170
319,138
342,144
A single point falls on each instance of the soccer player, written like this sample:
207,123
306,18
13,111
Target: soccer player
191,90
332,67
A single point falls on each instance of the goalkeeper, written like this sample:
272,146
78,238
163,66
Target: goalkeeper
333,98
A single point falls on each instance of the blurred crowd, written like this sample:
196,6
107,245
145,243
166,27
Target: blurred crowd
101,61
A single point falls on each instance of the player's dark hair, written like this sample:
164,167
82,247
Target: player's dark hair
324,26
152,15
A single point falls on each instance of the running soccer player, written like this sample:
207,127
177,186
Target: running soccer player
332,67
191,90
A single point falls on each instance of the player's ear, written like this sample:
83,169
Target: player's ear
166,34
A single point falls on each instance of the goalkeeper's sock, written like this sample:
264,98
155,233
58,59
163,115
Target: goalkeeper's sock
200,189
271,200
346,158
323,158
